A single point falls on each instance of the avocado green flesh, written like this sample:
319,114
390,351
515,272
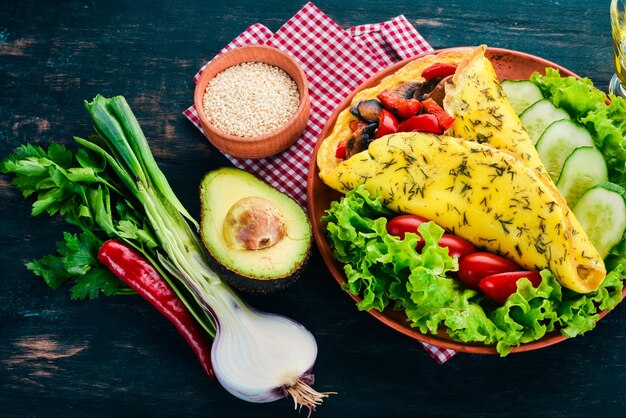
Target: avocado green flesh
219,191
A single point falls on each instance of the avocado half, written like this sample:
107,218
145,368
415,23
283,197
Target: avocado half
282,256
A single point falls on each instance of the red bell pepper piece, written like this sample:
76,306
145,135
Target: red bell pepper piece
137,272
439,69
443,117
387,124
356,124
399,106
340,152
421,123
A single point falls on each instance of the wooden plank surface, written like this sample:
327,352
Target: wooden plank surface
116,356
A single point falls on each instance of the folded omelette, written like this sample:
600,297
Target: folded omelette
412,72
484,181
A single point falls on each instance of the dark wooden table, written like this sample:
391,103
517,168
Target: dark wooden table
117,356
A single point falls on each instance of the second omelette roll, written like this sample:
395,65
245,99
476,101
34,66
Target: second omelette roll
485,195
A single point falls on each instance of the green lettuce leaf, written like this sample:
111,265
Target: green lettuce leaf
577,96
608,126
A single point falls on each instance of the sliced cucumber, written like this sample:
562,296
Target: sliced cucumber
539,116
602,213
583,169
521,93
558,141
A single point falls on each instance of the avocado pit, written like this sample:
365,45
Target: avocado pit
253,223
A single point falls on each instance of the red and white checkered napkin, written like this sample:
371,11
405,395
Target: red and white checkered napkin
335,61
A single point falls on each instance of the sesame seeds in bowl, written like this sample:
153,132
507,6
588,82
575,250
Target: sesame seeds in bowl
253,101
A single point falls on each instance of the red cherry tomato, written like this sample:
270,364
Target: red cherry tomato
387,124
457,246
498,287
421,123
402,224
475,267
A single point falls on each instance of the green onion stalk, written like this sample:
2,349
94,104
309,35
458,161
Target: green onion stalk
256,356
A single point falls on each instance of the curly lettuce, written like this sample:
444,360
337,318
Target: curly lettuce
576,96
387,271
588,106
608,127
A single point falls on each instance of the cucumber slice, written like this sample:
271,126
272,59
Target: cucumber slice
521,94
602,213
558,141
539,116
583,169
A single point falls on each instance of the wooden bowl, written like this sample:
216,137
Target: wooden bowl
259,146
507,64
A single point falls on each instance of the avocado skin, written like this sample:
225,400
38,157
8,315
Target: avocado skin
253,285
229,274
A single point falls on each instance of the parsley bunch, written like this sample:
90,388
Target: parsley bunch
83,190
111,188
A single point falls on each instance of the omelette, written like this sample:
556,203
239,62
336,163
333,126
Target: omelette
483,180
411,72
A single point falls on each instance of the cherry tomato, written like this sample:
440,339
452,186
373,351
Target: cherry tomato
438,70
402,224
387,124
421,123
475,267
340,152
457,246
498,287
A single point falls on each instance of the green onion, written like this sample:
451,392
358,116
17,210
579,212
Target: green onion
256,356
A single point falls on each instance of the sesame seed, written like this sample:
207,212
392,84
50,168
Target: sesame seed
251,99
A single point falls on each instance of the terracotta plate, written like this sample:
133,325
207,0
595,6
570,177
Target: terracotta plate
508,65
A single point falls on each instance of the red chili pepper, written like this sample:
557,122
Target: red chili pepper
387,124
421,123
340,152
443,117
399,106
138,273
438,70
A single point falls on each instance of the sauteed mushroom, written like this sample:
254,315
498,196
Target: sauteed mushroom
407,89
368,110
439,92
360,139
426,88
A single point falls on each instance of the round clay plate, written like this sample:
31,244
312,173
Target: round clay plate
508,64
